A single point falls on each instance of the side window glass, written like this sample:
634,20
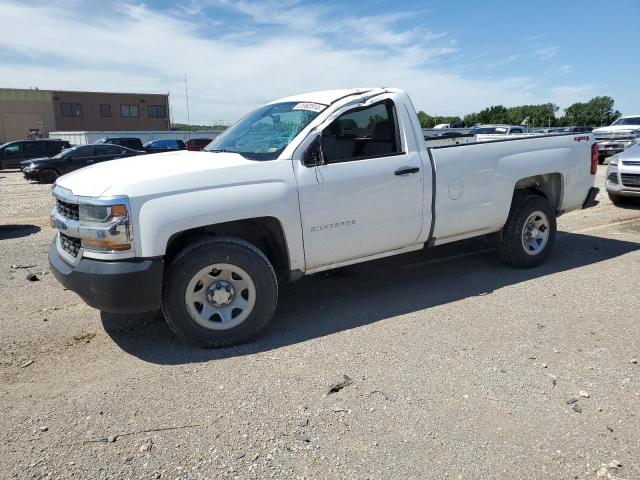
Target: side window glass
11,149
361,133
102,150
33,147
82,153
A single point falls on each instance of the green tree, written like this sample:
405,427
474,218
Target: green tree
597,111
426,121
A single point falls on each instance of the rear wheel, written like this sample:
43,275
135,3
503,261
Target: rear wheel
47,176
529,233
219,292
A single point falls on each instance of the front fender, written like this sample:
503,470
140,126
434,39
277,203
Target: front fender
160,217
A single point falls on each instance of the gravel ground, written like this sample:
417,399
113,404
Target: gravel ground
456,366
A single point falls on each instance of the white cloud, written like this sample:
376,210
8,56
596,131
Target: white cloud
564,70
547,52
232,70
503,61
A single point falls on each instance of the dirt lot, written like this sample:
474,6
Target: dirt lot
459,367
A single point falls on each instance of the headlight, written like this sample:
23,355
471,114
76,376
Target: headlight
613,161
101,213
105,228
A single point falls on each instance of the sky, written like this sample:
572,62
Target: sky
451,57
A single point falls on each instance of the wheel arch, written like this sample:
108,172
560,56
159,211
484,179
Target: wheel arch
547,185
266,233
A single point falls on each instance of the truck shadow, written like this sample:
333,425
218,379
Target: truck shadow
320,305
8,232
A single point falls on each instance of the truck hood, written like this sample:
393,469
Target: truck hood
616,129
157,173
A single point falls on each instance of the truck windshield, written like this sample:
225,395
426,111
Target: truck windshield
627,121
265,132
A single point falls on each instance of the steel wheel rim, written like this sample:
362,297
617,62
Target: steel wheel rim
535,233
220,296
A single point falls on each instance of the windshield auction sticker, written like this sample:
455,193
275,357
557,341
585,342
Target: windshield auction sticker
313,107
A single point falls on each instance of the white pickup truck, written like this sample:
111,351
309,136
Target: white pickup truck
617,137
300,185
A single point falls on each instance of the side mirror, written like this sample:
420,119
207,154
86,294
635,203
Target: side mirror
313,157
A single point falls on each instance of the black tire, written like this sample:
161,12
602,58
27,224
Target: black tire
510,238
617,199
201,254
48,175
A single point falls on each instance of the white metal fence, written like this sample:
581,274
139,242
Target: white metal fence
83,138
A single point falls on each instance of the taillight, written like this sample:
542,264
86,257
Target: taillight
594,159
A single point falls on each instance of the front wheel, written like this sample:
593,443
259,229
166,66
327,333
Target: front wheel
47,176
528,235
219,292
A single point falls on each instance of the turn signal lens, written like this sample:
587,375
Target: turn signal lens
105,245
119,211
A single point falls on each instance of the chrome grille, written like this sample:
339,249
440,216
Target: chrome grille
67,210
613,178
69,244
631,162
630,179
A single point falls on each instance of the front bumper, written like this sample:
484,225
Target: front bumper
623,180
125,286
30,174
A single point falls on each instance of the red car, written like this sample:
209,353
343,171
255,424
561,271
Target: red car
196,144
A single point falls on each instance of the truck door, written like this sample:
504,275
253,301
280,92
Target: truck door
367,197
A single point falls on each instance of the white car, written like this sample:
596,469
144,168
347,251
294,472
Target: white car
301,185
616,138
498,129
623,175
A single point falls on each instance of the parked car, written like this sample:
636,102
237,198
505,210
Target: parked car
498,130
623,176
445,126
617,137
196,144
12,153
288,192
167,145
47,170
133,143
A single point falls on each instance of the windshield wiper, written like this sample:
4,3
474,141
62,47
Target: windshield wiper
217,150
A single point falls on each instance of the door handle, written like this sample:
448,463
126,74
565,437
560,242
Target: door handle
407,171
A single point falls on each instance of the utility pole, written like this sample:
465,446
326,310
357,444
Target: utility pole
186,91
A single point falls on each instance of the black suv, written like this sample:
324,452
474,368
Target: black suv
129,142
12,153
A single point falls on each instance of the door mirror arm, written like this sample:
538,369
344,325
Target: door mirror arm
313,157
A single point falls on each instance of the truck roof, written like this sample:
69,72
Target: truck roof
326,97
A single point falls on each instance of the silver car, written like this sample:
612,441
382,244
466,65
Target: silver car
623,175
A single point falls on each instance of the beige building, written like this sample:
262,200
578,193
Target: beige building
25,112
35,113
